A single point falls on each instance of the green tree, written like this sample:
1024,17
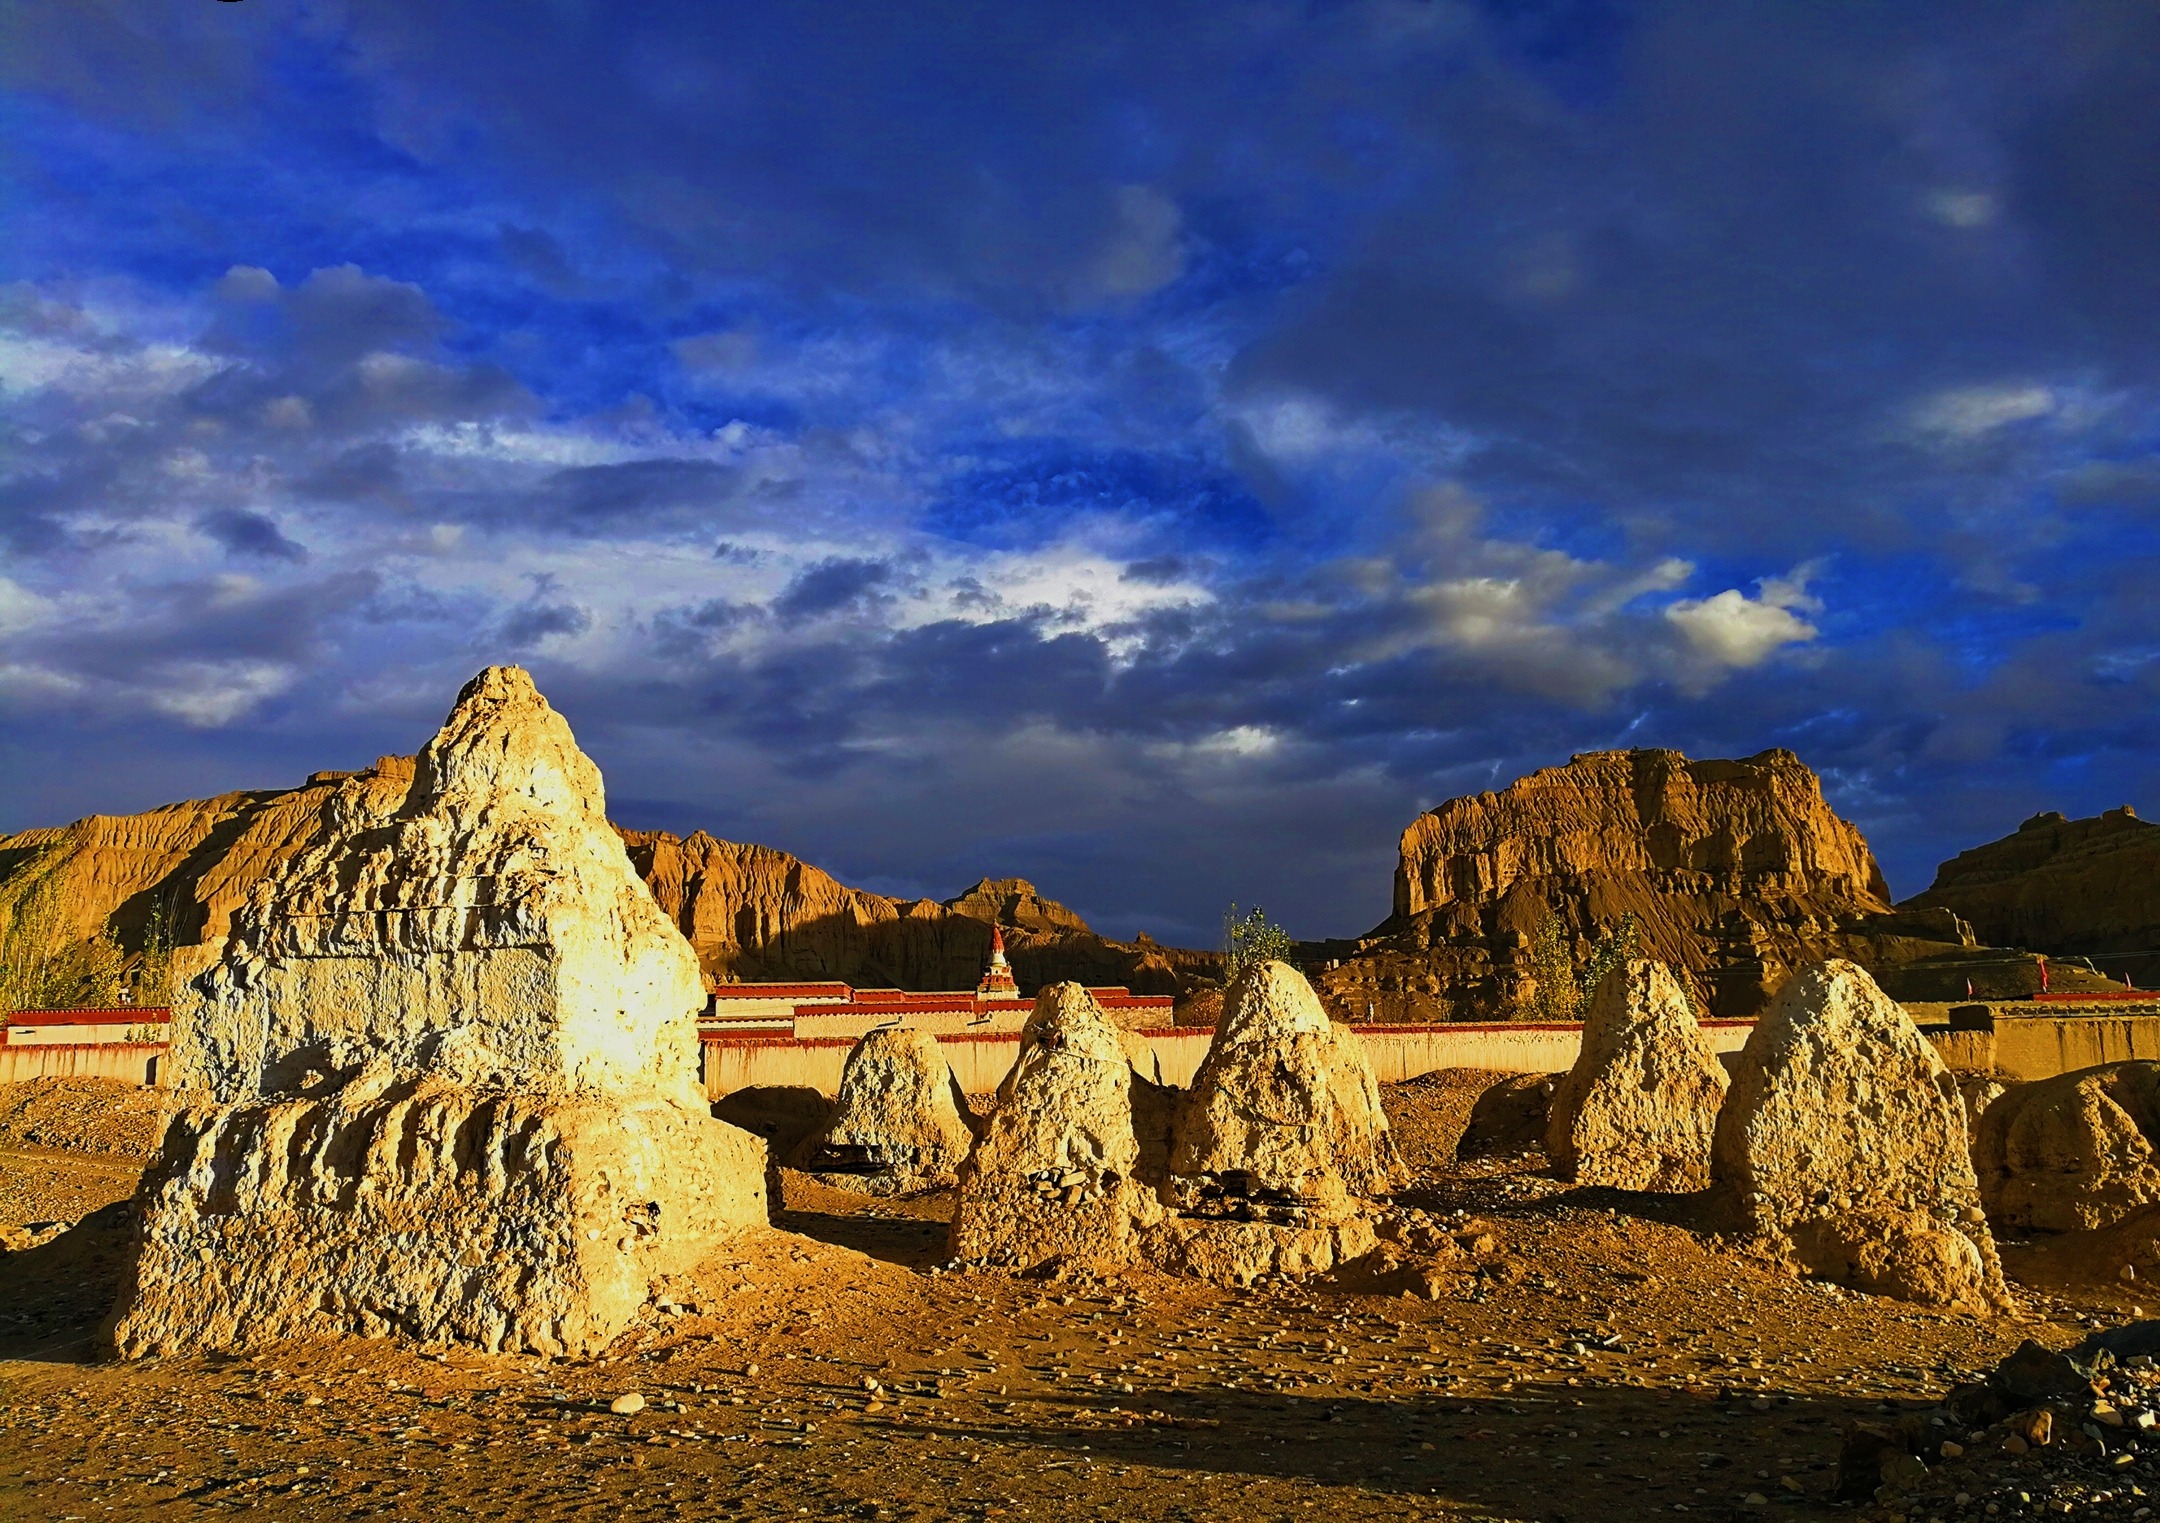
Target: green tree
31,942
1251,939
160,933
1564,985
1552,964
1616,946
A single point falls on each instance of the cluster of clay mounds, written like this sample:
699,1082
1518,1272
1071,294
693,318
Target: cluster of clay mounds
438,1079
1840,1140
1273,1162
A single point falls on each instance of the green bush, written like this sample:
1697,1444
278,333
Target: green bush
1564,987
1252,939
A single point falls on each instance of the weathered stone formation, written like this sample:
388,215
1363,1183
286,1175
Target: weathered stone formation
897,1126
2071,1153
438,1081
1638,1109
749,912
1062,1174
1279,1146
1844,1137
1735,871
2061,886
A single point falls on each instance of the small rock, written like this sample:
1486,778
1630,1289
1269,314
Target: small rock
627,1403
1952,1450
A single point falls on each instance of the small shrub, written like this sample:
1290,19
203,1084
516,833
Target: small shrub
1252,939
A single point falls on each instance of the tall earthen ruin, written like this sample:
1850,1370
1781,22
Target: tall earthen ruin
438,1079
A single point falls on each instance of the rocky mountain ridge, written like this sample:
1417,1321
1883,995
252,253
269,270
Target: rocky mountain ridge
751,912
1734,873
2065,887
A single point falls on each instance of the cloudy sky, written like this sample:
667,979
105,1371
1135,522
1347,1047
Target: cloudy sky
1152,450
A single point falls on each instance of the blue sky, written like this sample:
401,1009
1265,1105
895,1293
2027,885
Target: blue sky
1154,450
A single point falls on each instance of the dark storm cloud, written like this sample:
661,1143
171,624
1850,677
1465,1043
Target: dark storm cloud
534,622
1515,380
601,498
352,475
840,585
250,535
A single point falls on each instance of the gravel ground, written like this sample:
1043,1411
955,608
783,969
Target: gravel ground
1607,1361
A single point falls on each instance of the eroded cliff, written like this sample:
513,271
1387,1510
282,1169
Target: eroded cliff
1736,872
750,911
2062,886
754,913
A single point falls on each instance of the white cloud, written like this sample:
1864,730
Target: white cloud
1733,631
1142,252
248,282
1962,208
288,412
20,608
30,364
211,694
1970,411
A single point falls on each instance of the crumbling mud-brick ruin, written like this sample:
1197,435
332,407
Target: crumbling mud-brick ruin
900,1125
1844,1139
438,1080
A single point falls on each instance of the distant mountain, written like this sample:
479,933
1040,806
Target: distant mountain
750,911
754,913
2062,886
1736,873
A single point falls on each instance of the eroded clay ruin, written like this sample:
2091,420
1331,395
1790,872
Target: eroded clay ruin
438,1079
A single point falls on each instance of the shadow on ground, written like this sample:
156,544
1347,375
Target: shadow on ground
53,1296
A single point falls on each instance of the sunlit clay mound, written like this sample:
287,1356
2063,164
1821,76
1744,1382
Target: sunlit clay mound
1844,1137
438,1079
898,1126
1280,1145
1638,1109
1063,1174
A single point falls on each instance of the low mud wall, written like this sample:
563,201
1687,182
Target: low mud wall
2027,1047
2020,1047
981,1060
132,1062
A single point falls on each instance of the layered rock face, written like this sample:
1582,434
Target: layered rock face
1638,1109
1735,871
2071,1153
749,912
896,1127
191,863
1279,1144
2060,886
439,1077
756,914
1061,1174
1843,1135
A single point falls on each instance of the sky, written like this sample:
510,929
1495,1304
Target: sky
1153,450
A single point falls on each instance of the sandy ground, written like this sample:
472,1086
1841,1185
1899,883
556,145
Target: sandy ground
1608,1362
